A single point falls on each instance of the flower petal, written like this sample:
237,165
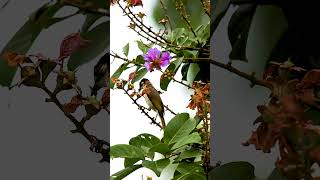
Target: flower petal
148,66
147,58
153,54
164,63
165,56
165,59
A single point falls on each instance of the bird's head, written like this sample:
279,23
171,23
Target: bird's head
142,83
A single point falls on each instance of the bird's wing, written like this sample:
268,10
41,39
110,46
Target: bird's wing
155,99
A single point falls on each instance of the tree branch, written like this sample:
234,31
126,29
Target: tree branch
167,107
250,77
153,121
97,145
230,68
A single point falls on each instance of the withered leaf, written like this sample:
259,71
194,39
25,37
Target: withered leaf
311,79
73,105
14,59
105,100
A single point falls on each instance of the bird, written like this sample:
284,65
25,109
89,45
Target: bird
152,98
101,74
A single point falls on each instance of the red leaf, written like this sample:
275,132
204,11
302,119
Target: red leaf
71,44
135,3
132,75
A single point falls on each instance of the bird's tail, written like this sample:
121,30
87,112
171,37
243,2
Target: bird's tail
163,122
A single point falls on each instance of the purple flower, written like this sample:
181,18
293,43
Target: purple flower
155,59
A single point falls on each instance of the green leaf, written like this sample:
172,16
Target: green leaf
145,142
275,175
140,59
23,39
125,49
173,68
182,37
44,15
203,33
267,26
186,154
219,9
234,170
90,20
189,53
192,72
125,172
99,42
185,168
156,166
178,127
143,47
118,72
197,119
238,30
140,74
126,151
130,161
160,148
191,176
177,33
190,139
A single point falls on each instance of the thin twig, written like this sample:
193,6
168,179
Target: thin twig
165,10
153,121
122,58
148,28
133,18
167,107
205,7
180,82
156,40
184,15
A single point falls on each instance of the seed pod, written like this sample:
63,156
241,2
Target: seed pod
30,76
65,81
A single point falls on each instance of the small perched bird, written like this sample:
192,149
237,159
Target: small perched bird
101,74
153,99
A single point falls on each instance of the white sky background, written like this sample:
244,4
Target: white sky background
126,121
